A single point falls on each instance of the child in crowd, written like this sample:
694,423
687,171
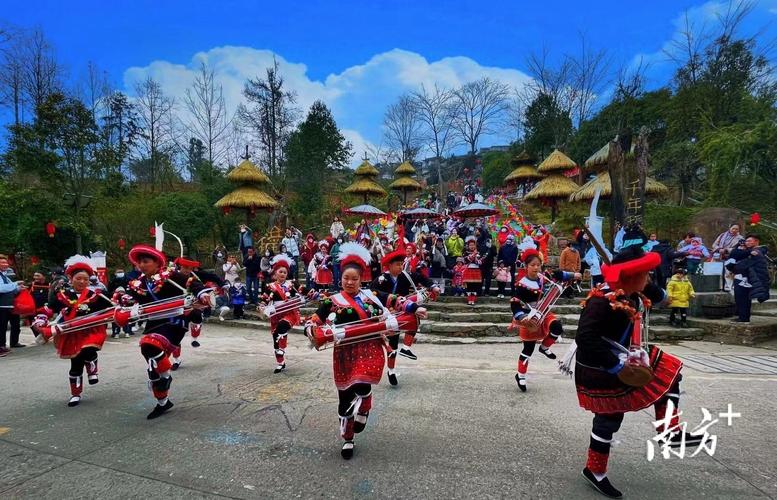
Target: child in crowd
458,277
117,298
502,275
237,295
680,291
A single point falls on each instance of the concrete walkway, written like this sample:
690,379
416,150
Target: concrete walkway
456,427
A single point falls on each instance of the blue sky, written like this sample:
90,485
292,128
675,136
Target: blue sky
358,56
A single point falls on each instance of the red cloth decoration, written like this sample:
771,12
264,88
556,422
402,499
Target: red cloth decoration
34,260
183,261
152,231
51,229
755,219
122,243
24,303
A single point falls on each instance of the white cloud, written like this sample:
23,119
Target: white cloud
358,96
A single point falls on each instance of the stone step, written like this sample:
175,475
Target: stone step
770,312
463,329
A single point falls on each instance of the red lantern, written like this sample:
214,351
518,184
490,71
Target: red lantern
226,210
755,219
122,243
51,229
34,260
152,231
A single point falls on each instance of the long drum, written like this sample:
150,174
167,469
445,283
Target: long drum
321,335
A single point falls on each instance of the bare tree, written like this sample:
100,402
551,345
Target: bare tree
514,117
686,48
271,116
402,128
157,138
479,107
630,81
11,74
435,111
588,77
41,74
94,90
209,122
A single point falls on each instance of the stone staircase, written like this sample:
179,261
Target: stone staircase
451,318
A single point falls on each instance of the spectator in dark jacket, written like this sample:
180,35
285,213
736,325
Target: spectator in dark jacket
509,255
487,267
119,279
252,264
751,276
39,289
9,288
664,271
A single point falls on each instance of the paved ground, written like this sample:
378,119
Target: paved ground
456,427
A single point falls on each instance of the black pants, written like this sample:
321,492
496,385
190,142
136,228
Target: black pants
743,302
682,311
347,396
7,317
487,281
500,286
237,311
87,354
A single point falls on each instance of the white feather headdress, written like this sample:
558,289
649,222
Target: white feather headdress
351,251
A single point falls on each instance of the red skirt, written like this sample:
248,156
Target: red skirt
361,362
324,277
472,275
539,334
70,344
293,318
602,392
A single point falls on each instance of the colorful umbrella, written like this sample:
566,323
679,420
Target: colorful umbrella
476,210
365,210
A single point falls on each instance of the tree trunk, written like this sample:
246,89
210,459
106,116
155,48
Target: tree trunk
618,178
642,152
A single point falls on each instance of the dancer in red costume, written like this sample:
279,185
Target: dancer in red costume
611,314
473,278
190,268
80,346
161,337
357,366
530,288
278,291
392,287
323,262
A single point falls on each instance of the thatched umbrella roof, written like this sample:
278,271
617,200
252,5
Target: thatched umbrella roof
556,162
599,159
405,184
523,173
552,187
365,186
405,168
523,169
602,181
247,196
247,172
522,159
366,169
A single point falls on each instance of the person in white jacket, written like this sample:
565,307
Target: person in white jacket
336,229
